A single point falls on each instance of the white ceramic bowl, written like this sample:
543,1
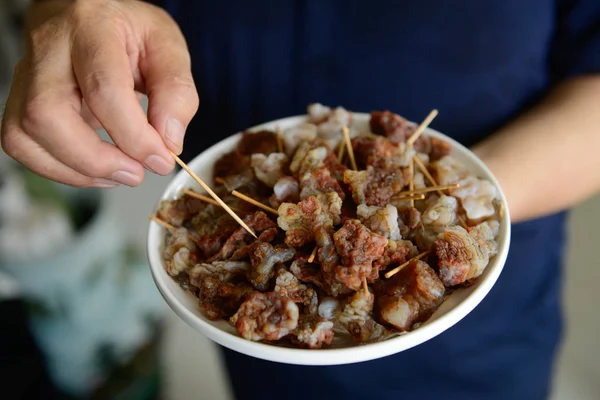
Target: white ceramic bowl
456,307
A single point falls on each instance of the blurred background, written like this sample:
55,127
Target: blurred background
83,319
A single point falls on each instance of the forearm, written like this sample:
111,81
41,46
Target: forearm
548,159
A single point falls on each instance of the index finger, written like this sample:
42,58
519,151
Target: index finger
104,73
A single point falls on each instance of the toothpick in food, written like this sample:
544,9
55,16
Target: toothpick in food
168,226
413,138
254,202
365,286
428,189
349,147
400,267
213,195
312,256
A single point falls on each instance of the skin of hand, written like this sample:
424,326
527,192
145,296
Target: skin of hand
85,65
547,160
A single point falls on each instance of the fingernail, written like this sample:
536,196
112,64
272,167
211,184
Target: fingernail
126,178
175,132
104,183
159,165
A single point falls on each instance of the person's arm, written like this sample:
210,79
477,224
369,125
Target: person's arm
548,159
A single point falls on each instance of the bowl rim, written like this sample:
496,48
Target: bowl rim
327,356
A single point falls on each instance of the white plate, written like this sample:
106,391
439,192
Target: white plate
460,303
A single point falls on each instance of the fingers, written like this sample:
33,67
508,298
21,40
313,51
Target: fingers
172,94
103,71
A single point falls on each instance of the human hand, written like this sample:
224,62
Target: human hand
81,71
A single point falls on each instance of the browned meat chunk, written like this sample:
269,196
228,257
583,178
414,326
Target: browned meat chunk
264,142
396,253
300,220
266,316
180,252
263,259
175,212
460,257
232,163
356,317
358,247
335,168
313,332
410,296
409,219
329,260
237,245
220,291
390,125
376,185
287,285
367,149
307,272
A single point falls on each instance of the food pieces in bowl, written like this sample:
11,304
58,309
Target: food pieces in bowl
317,269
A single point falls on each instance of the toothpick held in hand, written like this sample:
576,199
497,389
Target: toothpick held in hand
252,201
349,147
399,267
413,138
213,194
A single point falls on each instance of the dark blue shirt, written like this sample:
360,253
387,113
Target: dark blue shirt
481,63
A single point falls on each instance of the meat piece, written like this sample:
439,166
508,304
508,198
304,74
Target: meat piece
212,226
285,190
368,148
476,197
318,113
485,234
268,169
237,245
374,186
263,259
425,237
220,293
409,219
319,181
308,156
295,136
175,212
358,247
439,148
264,142
396,253
356,317
381,220
331,129
336,169
313,332
442,213
447,170
329,308
329,260
300,220
460,257
179,252
390,125
307,272
266,316
244,180
412,295
232,163
287,285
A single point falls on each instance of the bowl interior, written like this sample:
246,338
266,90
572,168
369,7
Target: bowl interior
456,306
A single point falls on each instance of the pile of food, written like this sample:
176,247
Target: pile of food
365,253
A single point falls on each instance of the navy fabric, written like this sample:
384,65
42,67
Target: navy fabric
481,63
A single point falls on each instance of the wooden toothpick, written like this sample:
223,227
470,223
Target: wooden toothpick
399,267
168,226
312,256
428,189
349,147
365,286
411,182
252,201
413,138
213,194
203,198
